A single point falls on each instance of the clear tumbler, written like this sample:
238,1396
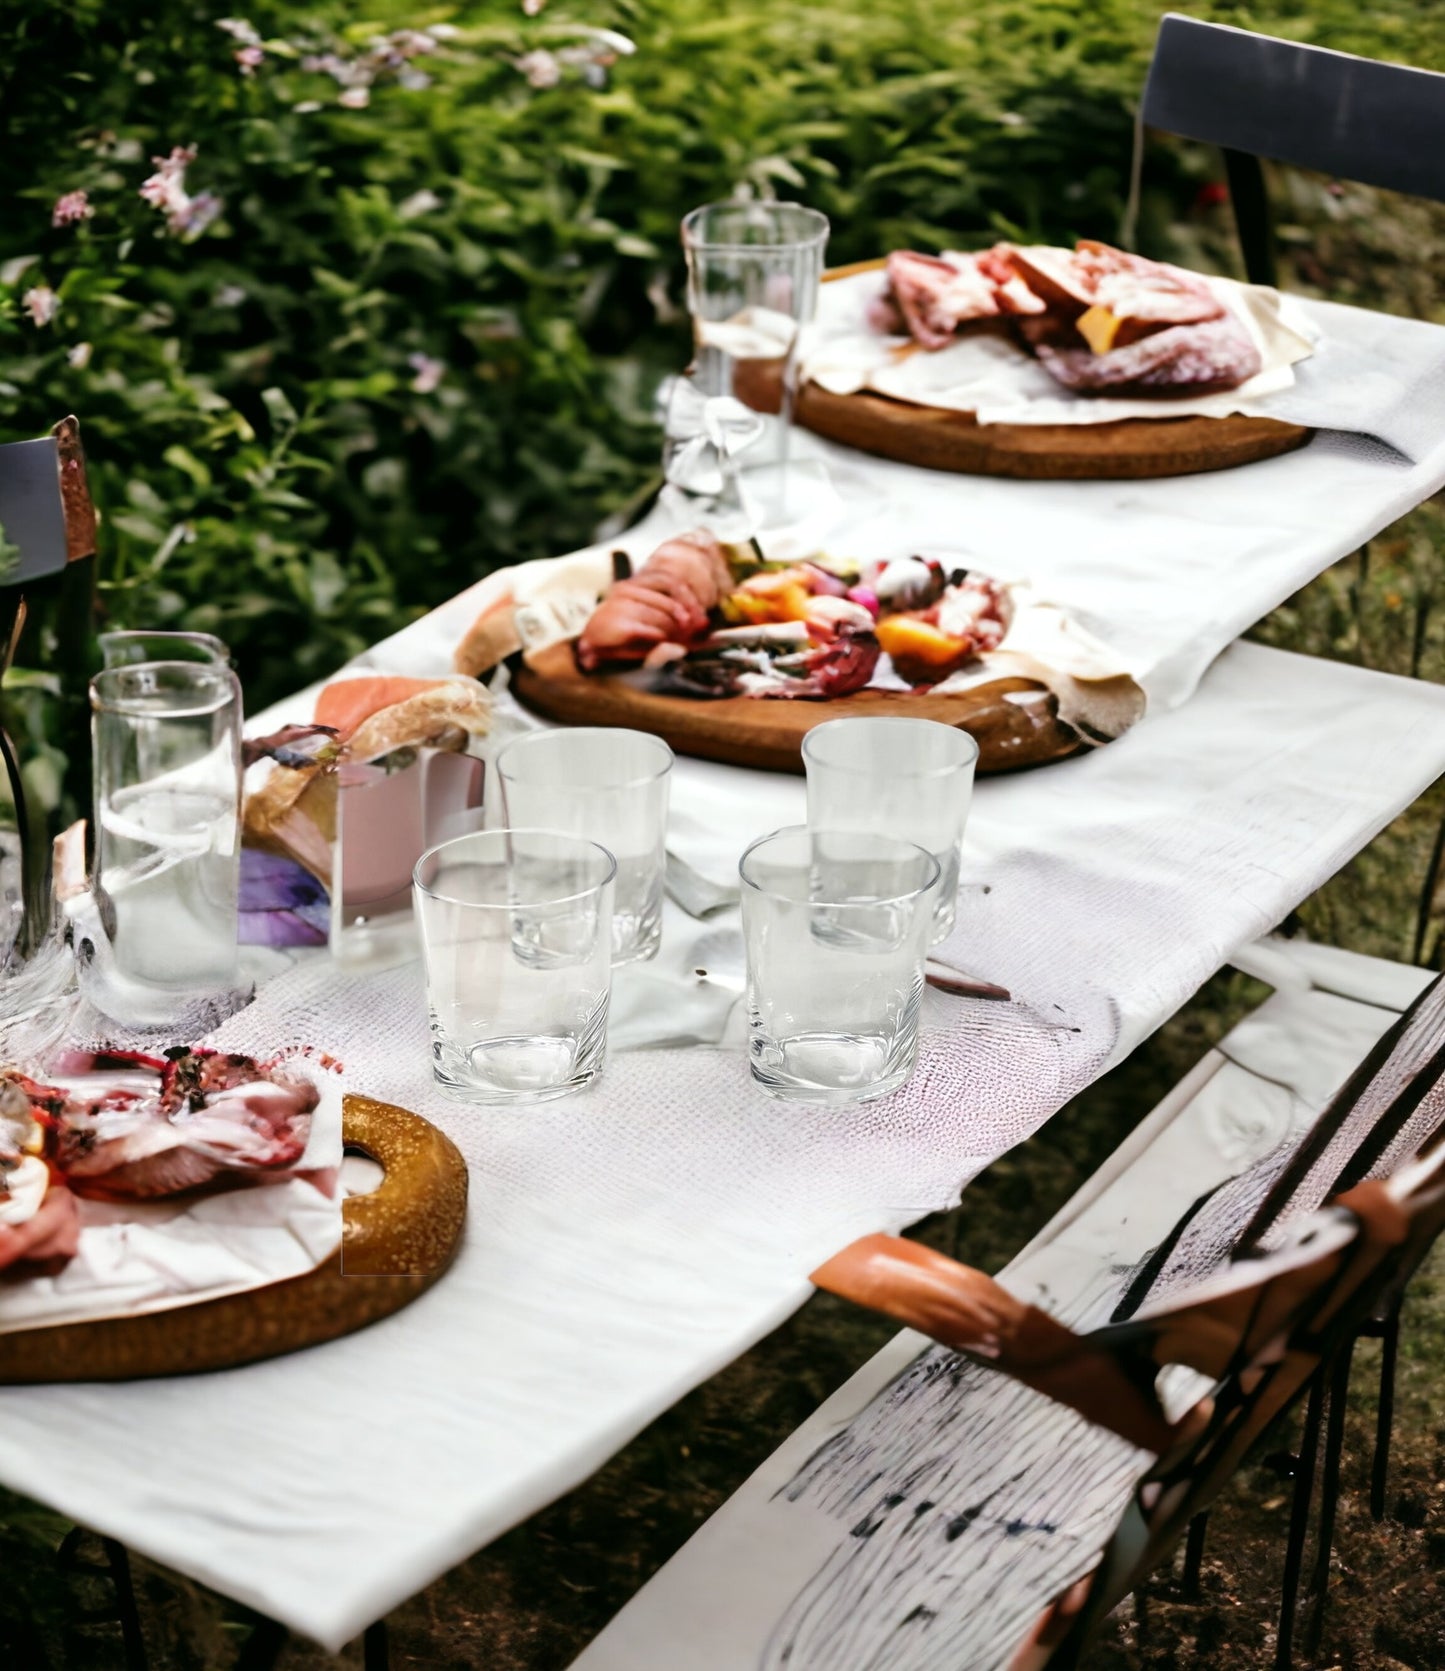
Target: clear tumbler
167,745
836,926
123,647
610,785
909,778
516,930
753,272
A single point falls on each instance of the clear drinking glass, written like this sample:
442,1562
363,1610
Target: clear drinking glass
753,271
167,745
909,778
516,930
610,785
122,648
836,926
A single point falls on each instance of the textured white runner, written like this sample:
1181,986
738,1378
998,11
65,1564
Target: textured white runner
625,1245
1166,573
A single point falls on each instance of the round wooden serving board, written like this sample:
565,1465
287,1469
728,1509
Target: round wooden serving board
1131,450
395,1243
768,732
1136,449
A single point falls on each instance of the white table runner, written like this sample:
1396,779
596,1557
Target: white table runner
625,1245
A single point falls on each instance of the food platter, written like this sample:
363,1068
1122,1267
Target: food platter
1014,720
1130,450
395,1244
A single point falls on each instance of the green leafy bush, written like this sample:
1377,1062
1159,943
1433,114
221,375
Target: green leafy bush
404,319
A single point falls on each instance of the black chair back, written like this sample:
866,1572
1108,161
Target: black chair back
1255,96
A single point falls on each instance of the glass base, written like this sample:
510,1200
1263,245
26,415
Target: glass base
522,1068
832,1067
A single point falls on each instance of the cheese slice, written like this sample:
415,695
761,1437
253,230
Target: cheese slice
22,1189
1098,327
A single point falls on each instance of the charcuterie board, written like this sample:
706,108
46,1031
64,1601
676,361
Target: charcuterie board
395,1243
1014,721
1131,450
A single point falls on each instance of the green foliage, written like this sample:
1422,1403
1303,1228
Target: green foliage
420,338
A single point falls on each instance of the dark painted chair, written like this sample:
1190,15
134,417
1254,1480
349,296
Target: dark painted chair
1254,96
1396,1224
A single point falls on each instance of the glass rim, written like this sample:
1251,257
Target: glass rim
821,225
896,842
865,770
519,744
139,706
512,904
185,634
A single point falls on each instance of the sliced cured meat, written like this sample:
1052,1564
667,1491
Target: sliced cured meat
1183,359
1053,275
345,704
936,295
667,601
48,1237
125,1131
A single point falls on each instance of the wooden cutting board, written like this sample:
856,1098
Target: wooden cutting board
1132,450
1014,721
395,1243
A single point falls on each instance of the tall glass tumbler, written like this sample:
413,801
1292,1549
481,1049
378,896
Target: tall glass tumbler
909,778
836,927
753,272
610,785
123,647
167,746
516,930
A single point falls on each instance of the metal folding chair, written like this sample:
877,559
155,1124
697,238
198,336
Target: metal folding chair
1255,96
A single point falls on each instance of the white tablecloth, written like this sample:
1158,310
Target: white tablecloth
624,1245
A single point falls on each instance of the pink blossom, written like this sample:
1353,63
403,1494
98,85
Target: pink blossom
540,68
70,207
250,58
355,98
429,372
531,8
40,302
78,357
186,216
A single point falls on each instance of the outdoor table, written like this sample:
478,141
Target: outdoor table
627,1243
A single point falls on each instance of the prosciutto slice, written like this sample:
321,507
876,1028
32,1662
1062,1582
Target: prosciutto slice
136,1127
1101,321
666,602
1183,359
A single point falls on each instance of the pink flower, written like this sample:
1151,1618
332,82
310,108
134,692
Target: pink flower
250,58
540,68
186,216
355,98
429,372
78,357
71,207
531,8
40,302
166,188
